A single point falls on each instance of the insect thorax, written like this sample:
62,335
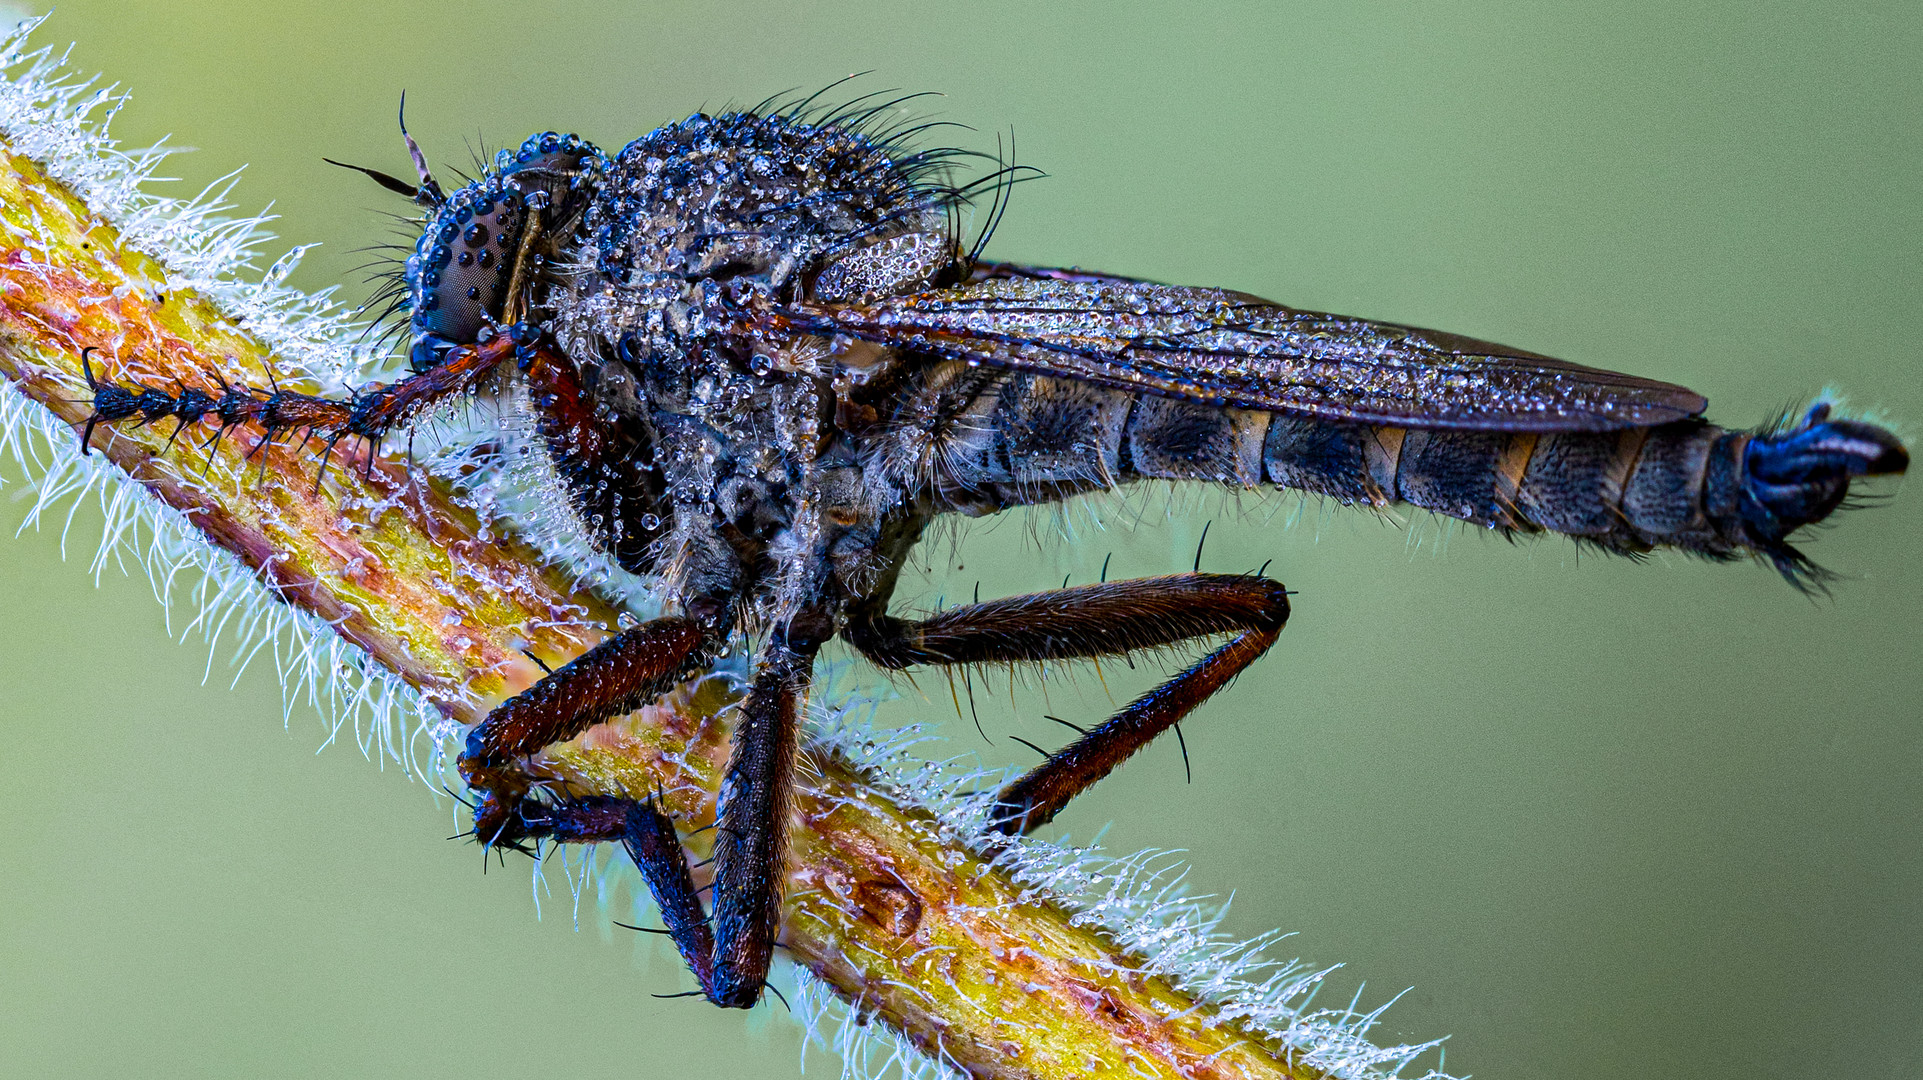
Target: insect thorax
702,218
693,227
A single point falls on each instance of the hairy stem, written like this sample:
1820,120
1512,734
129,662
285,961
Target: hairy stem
917,923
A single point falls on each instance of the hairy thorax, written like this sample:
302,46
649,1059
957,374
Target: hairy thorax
754,441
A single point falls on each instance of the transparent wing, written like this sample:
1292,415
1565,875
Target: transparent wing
1232,349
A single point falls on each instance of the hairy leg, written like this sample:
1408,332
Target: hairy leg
1091,621
729,955
751,837
368,413
619,675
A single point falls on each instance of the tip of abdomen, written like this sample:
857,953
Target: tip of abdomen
1798,475
1819,448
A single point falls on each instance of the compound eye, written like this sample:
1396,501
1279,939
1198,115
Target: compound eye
458,276
462,267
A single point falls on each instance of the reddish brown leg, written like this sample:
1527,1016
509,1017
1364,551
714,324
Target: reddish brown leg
729,957
619,675
1091,621
751,839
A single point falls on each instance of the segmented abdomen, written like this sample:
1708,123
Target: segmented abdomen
1631,490
1011,439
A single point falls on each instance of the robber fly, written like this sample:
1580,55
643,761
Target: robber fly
762,363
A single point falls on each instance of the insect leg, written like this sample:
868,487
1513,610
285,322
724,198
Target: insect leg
1108,619
649,836
656,850
751,838
730,957
367,413
619,675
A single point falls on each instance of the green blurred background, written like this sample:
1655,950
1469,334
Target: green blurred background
1605,818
